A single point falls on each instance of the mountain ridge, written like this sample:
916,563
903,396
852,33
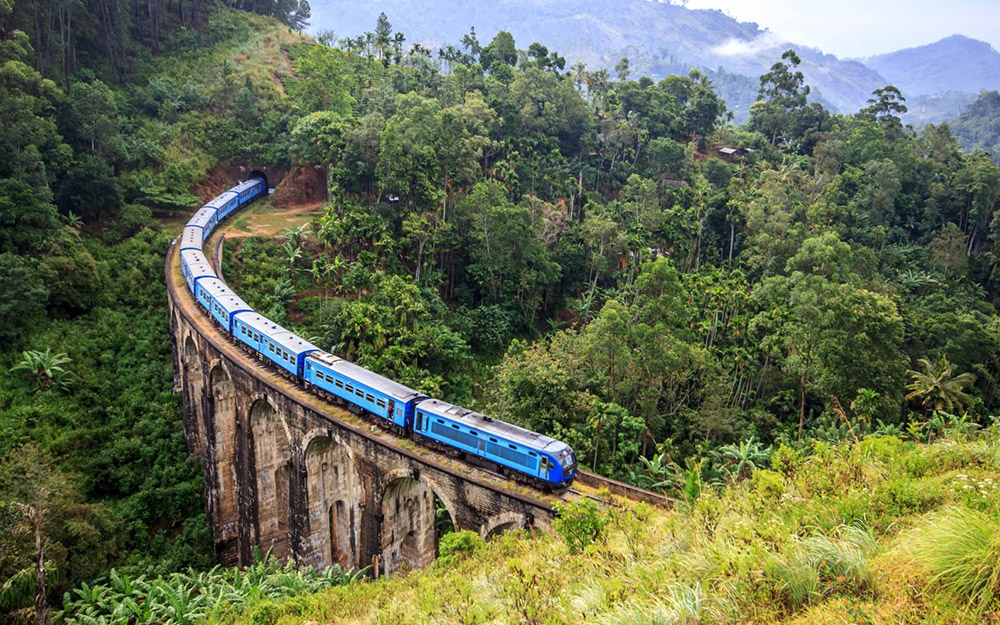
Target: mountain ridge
662,38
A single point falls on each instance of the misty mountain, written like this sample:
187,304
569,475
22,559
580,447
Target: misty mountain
660,39
955,63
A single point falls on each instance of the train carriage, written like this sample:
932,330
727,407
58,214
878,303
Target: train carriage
220,301
279,345
249,189
374,393
205,218
224,203
194,266
505,444
191,238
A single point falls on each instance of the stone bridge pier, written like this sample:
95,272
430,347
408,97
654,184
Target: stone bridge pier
288,473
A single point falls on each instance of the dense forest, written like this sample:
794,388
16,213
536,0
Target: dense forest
605,259
978,127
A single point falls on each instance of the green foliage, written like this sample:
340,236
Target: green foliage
45,370
821,565
191,596
960,550
937,388
580,523
456,546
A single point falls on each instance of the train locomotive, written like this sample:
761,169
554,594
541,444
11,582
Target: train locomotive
459,432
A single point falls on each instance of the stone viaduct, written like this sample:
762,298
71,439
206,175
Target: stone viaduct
289,472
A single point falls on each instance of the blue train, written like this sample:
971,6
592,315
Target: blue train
457,431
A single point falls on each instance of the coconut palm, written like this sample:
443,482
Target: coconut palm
937,388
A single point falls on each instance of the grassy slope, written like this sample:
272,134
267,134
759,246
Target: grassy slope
781,547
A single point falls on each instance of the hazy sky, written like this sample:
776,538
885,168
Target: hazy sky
850,28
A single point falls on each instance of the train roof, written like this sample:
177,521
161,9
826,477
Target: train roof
282,336
246,184
364,376
191,239
224,295
204,215
220,200
482,423
201,270
293,342
194,257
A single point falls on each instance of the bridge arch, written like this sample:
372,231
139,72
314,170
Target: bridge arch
409,521
272,465
504,522
333,502
223,443
194,392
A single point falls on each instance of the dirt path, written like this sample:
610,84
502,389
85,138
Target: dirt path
268,220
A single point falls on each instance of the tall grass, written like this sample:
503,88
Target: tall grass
821,565
960,549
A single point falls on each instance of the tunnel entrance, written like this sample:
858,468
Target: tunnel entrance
259,174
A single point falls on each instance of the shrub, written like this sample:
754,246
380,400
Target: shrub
768,484
580,523
455,546
960,549
786,460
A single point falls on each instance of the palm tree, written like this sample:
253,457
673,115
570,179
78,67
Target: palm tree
45,369
937,388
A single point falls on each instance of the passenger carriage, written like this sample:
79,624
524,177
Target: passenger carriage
191,238
206,218
194,266
220,301
504,444
224,203
248,190
275,343
365,389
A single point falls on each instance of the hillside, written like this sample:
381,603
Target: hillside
855,533
978,127
954,63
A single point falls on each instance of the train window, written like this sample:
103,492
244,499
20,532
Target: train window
531,453
369,397
380,403
350,389
439,420
512,446
493,440
340,383
454,425
474,433
359,392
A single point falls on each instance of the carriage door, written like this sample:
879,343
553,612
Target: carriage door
543,466
392,409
